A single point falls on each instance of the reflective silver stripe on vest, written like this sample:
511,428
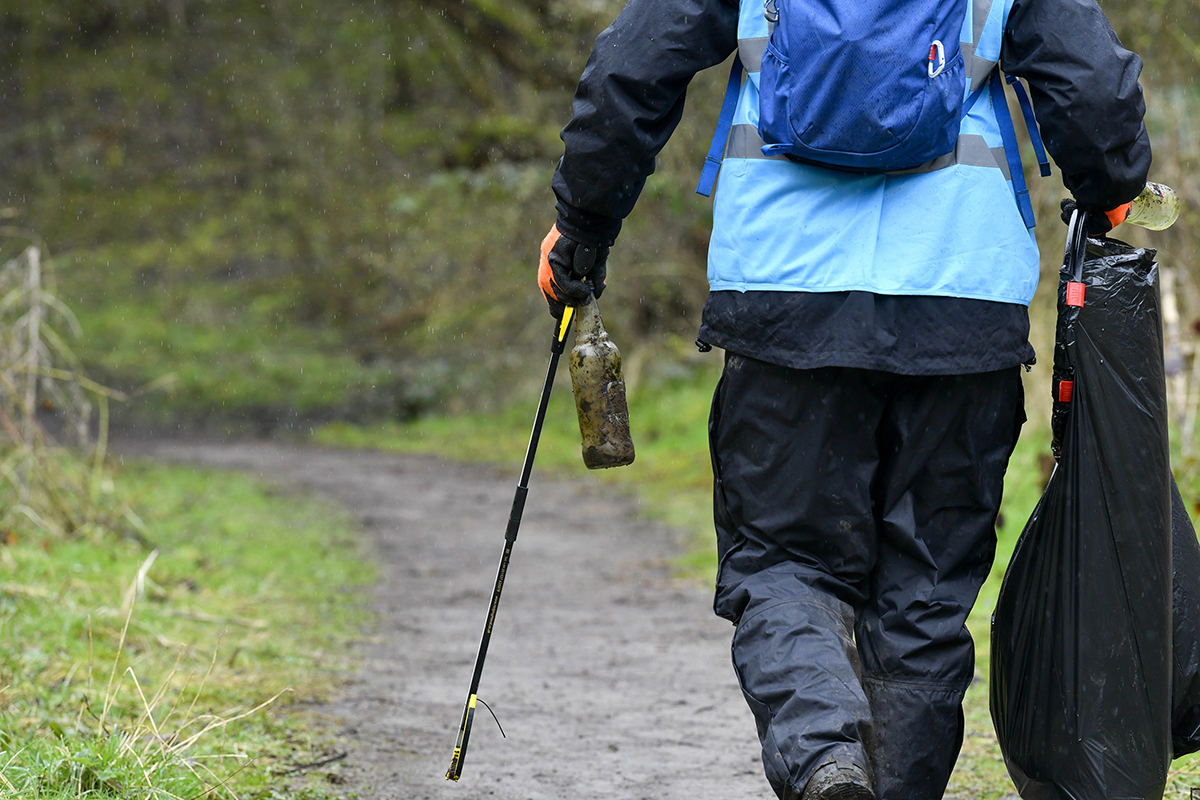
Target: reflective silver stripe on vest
979,14
970,150
751,52
978,69
744,142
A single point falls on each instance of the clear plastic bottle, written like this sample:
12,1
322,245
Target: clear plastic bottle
1156,208
599,392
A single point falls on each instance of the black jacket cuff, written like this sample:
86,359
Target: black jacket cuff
583,226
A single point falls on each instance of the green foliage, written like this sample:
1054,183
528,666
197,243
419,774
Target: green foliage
264,199
129,672
341,187
1166,35
45,486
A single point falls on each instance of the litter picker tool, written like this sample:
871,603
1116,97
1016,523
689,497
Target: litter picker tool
510,536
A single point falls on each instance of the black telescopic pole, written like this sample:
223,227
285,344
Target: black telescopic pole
510,536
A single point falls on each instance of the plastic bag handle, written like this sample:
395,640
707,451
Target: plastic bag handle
1076,245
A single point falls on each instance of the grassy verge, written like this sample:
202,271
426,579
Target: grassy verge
160,669
672,478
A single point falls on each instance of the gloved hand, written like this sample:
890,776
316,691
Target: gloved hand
569,271
1099,222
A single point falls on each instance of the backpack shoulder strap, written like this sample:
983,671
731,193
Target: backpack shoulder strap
1030,124
716,151
1008,134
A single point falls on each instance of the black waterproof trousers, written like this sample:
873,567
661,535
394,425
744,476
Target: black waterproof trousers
855,514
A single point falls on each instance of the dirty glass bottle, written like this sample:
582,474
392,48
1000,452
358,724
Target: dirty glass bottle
1156,208
599,392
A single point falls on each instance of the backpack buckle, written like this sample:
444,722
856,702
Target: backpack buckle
771,11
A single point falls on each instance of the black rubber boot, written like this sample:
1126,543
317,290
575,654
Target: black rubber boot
839,781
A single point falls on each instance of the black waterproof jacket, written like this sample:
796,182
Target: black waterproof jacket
1084,87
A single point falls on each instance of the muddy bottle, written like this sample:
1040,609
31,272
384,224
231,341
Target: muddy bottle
599,392
1156,208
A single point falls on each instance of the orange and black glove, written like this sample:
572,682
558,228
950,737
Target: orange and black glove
1099,222
569,271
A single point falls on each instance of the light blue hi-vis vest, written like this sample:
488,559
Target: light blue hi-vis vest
950,228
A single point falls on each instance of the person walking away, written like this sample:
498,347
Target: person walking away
874,325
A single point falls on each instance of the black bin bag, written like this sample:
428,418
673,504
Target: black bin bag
1185,683
1082,665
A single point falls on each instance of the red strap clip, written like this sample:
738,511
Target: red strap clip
1065,390
1075,294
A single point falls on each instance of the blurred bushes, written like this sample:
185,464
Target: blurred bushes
323,210
337,187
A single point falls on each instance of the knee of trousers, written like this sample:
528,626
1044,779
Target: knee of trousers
753,569
919,634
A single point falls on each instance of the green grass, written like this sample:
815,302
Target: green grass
232,367
105,676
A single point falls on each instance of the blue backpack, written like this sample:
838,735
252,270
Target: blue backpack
867,86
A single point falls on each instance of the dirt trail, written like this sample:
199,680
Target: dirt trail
611,679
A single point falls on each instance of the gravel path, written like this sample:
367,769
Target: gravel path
611,679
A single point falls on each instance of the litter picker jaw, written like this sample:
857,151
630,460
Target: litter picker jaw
460,746
510,536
